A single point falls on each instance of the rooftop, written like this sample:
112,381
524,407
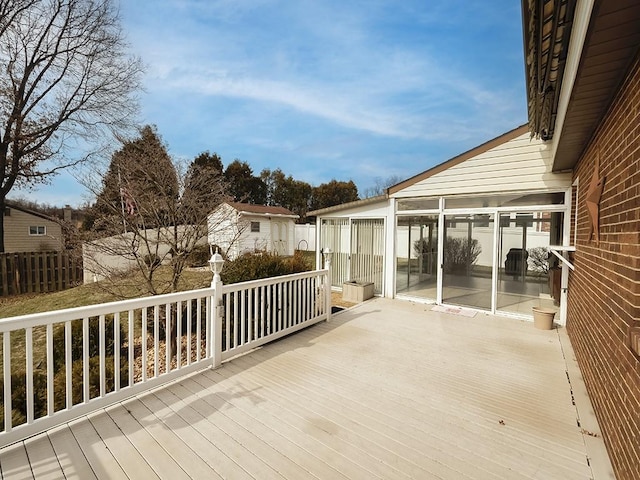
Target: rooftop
388,389
261,209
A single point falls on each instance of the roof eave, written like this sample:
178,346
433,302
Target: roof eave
348,205
254,214
596,32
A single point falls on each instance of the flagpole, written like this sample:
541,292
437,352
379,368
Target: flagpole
124,218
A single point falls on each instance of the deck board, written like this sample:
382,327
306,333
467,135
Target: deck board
40,452
99,458
72,460
15,462
386,390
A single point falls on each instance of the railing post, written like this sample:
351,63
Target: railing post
216,317
216,262
327,282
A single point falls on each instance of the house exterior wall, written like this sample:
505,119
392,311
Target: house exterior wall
519,164
604,289
223,230
231,231
18,239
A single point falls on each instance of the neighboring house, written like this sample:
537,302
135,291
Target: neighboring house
29,231
568,181
239,228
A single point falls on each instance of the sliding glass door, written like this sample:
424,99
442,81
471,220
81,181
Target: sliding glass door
417,256
528,276
467,268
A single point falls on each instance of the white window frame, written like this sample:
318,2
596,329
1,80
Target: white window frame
37,230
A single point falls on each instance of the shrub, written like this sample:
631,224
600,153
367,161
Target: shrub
460,253
59,380
152,260
253,266
199,256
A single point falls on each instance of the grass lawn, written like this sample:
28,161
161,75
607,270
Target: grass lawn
94,293
101,292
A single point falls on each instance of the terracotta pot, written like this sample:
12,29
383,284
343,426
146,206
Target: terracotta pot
543,318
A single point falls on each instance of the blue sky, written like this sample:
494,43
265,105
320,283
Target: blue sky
349,89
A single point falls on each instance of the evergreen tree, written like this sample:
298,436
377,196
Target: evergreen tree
141,183
243,186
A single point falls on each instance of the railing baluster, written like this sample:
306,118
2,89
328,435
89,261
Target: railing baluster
250,316
85,359
68,364
227,321
289,304
178,333
263,309
131,346
102,354
167,338
280,313
199,328
269,308
50,369
156,342
29,364
189,304
305,298
6,366
241,317
235,319
143,326
116,351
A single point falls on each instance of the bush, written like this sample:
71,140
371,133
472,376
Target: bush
199,256
152,260
77,380
460,254
19,387
253,266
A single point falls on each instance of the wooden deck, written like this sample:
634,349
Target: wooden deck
386,390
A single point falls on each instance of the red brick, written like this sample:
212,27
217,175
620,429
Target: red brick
604,290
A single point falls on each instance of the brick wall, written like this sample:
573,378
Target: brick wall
604,289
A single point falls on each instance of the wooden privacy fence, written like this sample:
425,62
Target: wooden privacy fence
38,272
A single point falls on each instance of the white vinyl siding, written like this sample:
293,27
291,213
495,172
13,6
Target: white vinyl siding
517,165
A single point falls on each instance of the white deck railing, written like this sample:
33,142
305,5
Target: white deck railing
59,365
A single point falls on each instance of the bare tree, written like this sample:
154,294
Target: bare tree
381,186
66,83
143,219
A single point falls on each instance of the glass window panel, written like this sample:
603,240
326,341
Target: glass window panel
511,200
468,261
419,204
527,275
417,256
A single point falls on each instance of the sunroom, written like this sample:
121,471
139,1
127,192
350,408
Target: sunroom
487,230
